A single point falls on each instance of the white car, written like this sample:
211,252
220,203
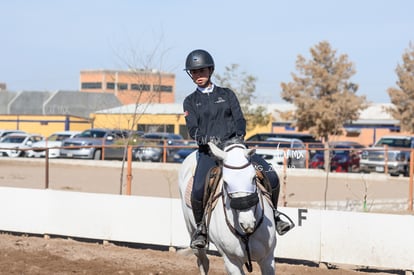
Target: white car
4,133
53,143
16,145
276,150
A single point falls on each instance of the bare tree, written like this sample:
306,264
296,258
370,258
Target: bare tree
142,65
244,86
403,96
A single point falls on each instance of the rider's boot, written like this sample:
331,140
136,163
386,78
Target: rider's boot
199,238
282,227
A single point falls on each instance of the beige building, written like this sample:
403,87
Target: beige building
373,123
131,87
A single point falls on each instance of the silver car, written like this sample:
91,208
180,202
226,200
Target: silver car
16,145
89,144
52,143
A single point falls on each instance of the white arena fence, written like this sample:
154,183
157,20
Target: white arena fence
360,239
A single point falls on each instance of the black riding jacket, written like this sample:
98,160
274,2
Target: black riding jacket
214,116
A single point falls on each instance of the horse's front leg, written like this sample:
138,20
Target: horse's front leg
233,266
267,265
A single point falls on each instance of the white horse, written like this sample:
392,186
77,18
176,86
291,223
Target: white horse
241,224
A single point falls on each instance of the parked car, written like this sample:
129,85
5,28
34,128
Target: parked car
4,133
277,149
53,143
345,157
15,145
181,154
118,150
397,155
152,146
89,143
314,145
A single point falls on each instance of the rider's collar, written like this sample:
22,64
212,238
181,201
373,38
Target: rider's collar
207,89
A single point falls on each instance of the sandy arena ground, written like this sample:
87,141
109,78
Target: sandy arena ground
24,254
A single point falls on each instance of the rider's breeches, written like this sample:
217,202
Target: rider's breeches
204,163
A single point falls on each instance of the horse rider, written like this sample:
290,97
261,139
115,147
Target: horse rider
213,113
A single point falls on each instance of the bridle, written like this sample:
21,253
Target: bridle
242,203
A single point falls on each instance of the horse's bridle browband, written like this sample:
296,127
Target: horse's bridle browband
236,167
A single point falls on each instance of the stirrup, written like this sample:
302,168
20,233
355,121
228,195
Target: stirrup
199,238
283,227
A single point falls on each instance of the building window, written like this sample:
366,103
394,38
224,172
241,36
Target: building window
110,86
122,86
91,85
140,87
162,88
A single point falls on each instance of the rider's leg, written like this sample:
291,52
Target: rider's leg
204,164
199,238
282,227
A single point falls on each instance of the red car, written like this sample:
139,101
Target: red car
345,157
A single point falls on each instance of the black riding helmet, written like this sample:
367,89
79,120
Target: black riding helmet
198,59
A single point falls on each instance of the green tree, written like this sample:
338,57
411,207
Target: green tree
403,96
244,86
322,93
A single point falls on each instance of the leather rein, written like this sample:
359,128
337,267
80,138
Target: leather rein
244,237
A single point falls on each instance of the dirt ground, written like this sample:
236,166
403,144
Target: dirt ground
27,254
22,254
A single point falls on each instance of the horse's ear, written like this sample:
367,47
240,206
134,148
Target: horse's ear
249,152
220,154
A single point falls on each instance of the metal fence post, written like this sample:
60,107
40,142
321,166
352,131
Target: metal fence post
410,188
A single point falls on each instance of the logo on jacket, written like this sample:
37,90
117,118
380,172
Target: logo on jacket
219,100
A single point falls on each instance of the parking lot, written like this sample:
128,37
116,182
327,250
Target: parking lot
299,187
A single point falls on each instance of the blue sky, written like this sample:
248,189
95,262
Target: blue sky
45,44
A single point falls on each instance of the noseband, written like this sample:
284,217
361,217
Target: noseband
246,202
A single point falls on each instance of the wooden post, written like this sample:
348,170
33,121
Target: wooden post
386,159
284,202
410,188
307,156
103,149
47,168
129,170
164,150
